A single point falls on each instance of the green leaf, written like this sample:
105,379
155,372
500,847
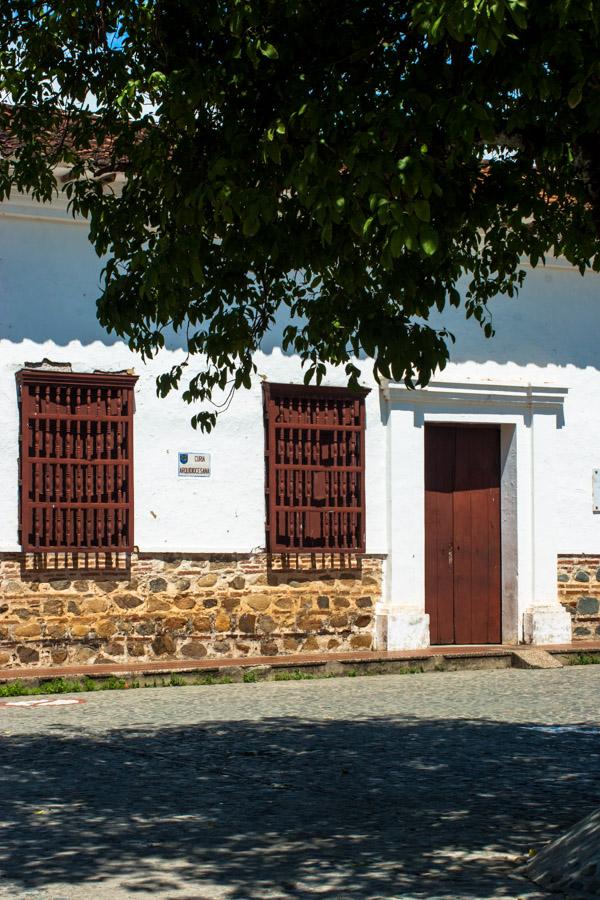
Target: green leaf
422,210
575,94
366,229
429,240
397,242
268,50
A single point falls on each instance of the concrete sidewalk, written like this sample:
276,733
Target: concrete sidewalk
381,661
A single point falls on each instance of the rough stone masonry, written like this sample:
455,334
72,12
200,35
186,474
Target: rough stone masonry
191,607
579,592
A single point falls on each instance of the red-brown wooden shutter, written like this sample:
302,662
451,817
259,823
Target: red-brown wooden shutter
315,469
76,461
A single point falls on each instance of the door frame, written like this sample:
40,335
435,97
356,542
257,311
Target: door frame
501,459
528,551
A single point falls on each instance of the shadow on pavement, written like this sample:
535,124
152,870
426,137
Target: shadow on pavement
282,807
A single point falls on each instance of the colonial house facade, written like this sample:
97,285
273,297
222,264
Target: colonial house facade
310,519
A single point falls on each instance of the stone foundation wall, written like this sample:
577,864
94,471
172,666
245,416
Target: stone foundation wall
579,592
169,606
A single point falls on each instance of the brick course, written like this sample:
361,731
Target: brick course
185,607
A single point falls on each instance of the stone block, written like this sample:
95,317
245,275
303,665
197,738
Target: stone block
194,650
61,584
311,644
163,644
59,656
285,603
156,585
268,648
31,630
582,576
53,607
266,624
107,585
323,602
362,621
157,604
201,624
362,641
175,623
5,658
230,603
57,631
588,606
12,587
83,654
128,601
238,583
28,655
105,628
208,580
222,622
402,628
22,613
94,604
549,624
184,602
79,629
259,602
247,623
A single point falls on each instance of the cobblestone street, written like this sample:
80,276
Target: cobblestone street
424,786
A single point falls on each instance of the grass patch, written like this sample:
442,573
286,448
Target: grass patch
19,688
585,659
65,686
294,675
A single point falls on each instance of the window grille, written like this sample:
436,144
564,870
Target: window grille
76,461
315,469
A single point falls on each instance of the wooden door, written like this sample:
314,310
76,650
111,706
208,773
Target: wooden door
463,591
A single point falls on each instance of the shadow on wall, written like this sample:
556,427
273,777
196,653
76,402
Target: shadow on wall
50,280
286,806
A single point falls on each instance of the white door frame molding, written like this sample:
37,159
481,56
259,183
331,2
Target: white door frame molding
528,416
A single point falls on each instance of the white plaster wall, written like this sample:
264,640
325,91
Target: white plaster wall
549,335
49,278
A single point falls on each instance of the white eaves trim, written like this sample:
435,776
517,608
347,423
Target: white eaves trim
486,394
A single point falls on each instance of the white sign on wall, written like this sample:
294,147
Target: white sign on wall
193,465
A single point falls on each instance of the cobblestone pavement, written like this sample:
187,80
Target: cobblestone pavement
421,786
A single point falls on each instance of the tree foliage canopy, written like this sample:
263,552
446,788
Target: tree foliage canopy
346,161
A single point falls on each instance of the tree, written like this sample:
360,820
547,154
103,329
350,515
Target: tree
346,161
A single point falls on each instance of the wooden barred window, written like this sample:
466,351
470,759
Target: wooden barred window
315,469
76,461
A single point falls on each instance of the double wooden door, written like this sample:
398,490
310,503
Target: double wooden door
463,590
